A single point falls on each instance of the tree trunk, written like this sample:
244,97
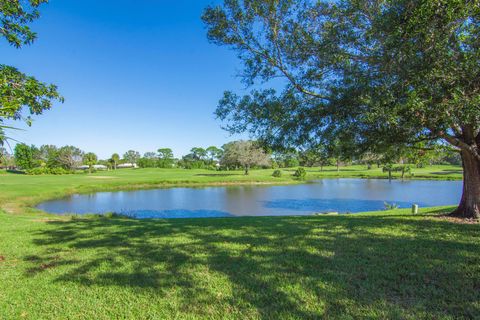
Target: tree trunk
338,166
469,206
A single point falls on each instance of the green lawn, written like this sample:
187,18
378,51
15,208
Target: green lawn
387,265
18,192
365,266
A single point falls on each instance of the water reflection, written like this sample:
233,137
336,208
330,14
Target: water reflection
331,205
340,195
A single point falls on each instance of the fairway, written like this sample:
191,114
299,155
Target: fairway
381,265
19,192
244,160
388,264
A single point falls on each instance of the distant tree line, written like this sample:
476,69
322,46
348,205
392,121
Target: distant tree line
245,155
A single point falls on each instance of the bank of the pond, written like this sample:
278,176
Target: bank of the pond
384,265
346,195
20,193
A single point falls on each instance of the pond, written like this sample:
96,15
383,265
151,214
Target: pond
329,195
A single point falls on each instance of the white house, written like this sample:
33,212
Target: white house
127,165
96,167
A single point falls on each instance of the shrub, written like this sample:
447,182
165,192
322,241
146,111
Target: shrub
390,206
300,173
277,173
115,215
44,170
59,171
38,171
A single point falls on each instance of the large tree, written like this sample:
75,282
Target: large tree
166,158
165,153
245,154
115,159
214,153
199,154
70,157
49,156
131,156
18,90
377,73
26,157
6,159
90,159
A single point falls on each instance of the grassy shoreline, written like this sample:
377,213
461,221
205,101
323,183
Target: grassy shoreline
20,193
377,265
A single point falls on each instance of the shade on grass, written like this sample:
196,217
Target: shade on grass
384,265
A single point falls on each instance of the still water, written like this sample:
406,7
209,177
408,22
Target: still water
332,195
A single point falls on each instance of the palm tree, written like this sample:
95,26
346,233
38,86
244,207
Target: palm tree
90,159
115,159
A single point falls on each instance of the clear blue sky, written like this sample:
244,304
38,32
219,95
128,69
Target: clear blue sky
135,75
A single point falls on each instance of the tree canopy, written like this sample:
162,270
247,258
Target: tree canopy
131,156
18,90
115,158
70,157
26,156
245,154
90,159
373,74
165,153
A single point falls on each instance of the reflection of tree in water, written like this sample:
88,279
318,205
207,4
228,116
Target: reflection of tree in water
245,200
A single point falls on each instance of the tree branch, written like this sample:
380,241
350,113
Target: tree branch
473,149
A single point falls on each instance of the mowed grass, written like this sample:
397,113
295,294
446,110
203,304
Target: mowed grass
385,265
18,192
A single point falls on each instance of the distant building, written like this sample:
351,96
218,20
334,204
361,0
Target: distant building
96,167
127,165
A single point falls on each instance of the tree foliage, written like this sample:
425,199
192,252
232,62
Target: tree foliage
115,158
373,74
70,157
245,154
165,153
49,156
6,159
18,90
131,156
214,153
90,159
199,153
26,157
166,158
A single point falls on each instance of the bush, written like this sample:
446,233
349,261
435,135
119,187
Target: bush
37,171
44,170
390,206
59,171
277,173
300,173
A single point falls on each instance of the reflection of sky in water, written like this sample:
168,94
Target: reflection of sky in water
179,213
332,205
339,195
